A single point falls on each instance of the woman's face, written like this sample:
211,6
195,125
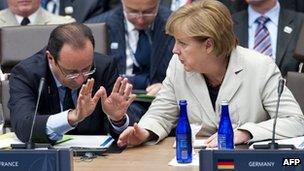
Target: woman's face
194,55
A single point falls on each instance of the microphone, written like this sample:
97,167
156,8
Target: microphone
273,145
30,144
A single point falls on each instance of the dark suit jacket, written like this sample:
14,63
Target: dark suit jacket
166,3
296,5
3,4
24,83
285,42
162,44
83,10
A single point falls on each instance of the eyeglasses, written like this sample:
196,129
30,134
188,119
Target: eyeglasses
144,14
140,14
76,75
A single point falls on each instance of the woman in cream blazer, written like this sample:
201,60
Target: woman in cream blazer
207,68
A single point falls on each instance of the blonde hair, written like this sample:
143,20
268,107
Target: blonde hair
205,19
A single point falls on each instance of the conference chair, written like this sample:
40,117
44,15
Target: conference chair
295,80
20,42
299,50
4,85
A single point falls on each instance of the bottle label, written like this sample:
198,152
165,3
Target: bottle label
183,145
225,141
183,148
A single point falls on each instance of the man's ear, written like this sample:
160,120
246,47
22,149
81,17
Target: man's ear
49,56
209,44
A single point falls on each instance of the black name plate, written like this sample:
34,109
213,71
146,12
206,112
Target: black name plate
34,160
251,160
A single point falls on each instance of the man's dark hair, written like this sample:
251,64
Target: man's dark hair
73,34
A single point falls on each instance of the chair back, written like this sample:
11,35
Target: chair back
20,42
299,50
295,82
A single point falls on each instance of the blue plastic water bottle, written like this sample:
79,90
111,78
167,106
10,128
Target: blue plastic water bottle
183,136
225,131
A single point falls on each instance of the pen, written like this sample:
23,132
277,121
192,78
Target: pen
106,141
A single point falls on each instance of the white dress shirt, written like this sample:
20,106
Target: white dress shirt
53,6
176,4
32,17
131,37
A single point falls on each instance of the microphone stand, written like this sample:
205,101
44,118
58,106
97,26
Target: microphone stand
30,144
273,145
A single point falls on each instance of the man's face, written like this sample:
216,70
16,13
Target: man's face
23,7
141,13
72,62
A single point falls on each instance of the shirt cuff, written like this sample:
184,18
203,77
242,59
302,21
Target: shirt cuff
119,129
57,125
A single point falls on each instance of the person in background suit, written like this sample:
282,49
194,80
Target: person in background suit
208,67
74,97
79,9
29,12
239,5
282,25
3,4
137,38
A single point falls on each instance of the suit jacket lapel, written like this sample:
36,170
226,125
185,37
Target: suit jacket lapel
241,27
166,3
159,45
41,18
51,91
9,18
199,89
283,38
118,35
233,75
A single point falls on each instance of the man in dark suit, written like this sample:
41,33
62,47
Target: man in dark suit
79,9
136,32
74,96
283,27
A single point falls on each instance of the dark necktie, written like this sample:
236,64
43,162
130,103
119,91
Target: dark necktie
25,21
143,50
262,42
68,100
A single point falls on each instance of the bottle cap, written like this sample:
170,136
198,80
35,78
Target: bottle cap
183,102
224,102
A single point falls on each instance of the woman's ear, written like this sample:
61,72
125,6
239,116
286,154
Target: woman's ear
209,44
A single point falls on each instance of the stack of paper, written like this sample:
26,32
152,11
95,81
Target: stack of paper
68,141
7,139
85,141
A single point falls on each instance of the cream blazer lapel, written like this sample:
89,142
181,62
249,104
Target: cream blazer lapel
42,18
197,86
7,18
233,75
